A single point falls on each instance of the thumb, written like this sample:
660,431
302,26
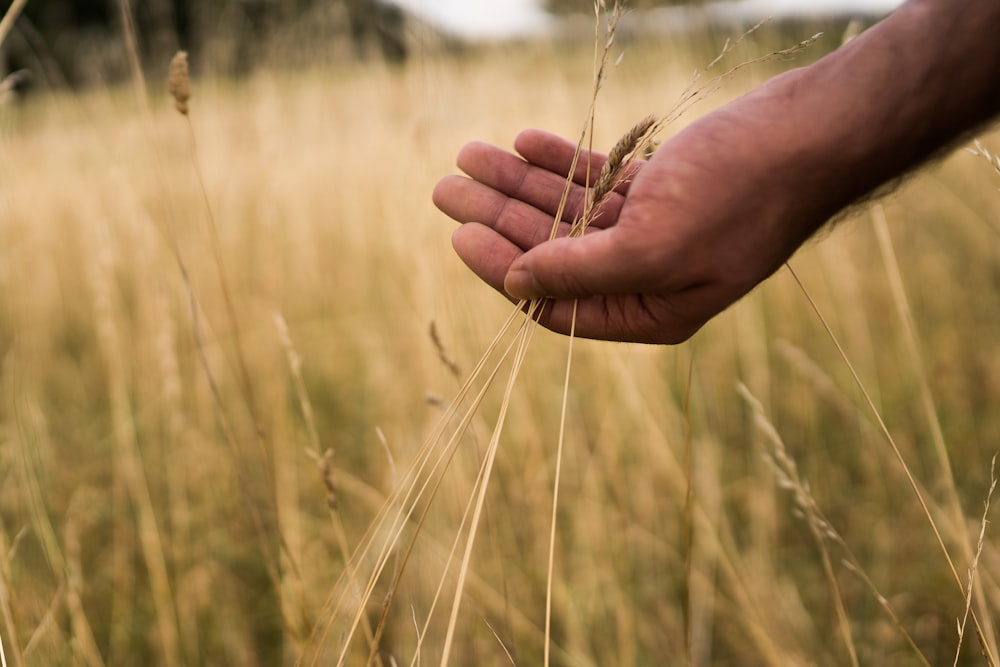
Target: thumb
603,262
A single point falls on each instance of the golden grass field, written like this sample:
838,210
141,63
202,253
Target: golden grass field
729,501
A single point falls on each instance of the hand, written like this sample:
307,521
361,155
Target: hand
695,229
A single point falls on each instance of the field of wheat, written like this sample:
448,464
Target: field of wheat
225,335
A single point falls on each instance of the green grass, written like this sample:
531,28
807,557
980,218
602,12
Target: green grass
132,533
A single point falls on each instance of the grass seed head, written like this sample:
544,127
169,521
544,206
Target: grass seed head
621,154
179,81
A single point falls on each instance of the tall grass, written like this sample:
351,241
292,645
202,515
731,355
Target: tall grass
127,530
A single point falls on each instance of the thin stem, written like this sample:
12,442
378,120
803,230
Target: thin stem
6,25
555,487
895,449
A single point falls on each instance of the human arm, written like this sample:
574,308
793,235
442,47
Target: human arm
726,201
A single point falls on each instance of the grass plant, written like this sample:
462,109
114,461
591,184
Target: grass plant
217,358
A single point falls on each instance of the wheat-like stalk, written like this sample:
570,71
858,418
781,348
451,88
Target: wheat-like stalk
627,148
787,474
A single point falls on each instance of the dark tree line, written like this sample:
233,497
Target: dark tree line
58,42
73,41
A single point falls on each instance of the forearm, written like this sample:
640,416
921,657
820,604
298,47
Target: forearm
824,136
911,86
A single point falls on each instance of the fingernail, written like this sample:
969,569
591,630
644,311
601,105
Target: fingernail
520,284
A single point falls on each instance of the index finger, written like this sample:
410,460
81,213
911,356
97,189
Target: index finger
521,180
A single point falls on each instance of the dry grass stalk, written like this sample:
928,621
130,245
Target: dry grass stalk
7,22
446,359
264,539
979,150
85,646
324,462
975,561
130,470
179,85
787,475
639,142
689,527
419,485
555,491
883,427
852,566
10,629
179,81
788,478
601,57
480,496
32,438
698,91
941,448
176,430
500,642
607,179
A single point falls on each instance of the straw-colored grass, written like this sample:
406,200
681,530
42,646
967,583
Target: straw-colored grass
145,520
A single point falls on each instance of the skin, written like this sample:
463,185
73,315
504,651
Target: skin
725,202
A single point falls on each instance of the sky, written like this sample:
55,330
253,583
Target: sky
806,7
481,18
504,18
